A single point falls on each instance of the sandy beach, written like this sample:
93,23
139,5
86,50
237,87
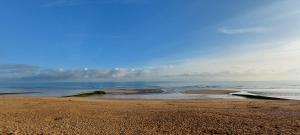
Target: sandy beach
45,115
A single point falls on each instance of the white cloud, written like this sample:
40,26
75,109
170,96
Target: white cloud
277,18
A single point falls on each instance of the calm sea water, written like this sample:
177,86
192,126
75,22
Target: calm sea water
172,90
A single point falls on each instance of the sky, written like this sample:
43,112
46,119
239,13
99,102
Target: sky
146,40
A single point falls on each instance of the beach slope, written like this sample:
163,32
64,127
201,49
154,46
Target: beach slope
37,115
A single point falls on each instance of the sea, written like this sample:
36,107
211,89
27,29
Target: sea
171,89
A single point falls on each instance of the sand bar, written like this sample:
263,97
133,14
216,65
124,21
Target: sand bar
37,115
116,92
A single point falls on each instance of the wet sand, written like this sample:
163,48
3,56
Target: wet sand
131,91
37,115
210,91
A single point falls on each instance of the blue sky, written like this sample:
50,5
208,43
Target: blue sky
165,39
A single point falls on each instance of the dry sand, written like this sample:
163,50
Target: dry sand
36,115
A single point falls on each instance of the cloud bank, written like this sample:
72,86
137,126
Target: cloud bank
280,62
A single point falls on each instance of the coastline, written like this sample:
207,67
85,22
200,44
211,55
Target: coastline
210,91
151,93
52,115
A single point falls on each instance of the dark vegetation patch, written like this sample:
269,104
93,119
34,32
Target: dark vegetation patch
15,93
258,97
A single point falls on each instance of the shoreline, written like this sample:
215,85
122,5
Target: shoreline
138,93
210,91
52,115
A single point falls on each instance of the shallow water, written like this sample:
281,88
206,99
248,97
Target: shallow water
167,96
172,90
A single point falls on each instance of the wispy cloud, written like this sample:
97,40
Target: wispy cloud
244,30
276,61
